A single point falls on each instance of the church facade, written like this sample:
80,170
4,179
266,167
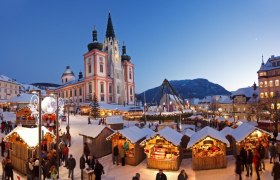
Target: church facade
108,73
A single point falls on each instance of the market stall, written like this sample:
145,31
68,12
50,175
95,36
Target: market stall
23,117
130,139
249,137
115,122
208,149
22,144
163,149
95,136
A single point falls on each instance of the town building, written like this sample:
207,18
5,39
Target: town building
107,74
9,88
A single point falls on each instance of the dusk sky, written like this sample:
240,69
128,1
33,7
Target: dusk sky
219,40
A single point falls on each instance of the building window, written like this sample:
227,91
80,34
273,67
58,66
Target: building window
265,83
89,88
130,91
65,79
66,93
266,94
102,88
89,68
278,63
75,92
102,99
271,94
131,98
276,82
80,100
261,84
101,67
80,91
118,89
270,83
110,88
262,73
130,74
110,98
70,93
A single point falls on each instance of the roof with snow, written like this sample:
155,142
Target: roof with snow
220,118
7,79
28,135
169,134
188,132
207,132
133,134
244,130
269,64
248,92
21,98
93,130
114,120
227,131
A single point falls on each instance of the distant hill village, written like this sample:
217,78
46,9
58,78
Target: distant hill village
109,75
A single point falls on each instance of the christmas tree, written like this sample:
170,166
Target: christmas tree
94,107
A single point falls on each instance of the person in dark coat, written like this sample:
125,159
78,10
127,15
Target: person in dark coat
161,175
91,162
183,175
82,165
98,170
243,155
9,170
238,166
249,163
261,150
86,151
116,155
36,169
71,166
136,177
46,169
276,171
3,147
273,152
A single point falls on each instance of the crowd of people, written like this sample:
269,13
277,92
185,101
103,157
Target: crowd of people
247,158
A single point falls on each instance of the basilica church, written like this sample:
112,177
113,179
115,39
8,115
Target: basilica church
108,73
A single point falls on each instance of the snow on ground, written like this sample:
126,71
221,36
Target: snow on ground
113,172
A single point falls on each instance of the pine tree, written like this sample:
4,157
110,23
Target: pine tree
94,110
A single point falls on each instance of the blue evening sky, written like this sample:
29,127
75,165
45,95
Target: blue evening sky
220,40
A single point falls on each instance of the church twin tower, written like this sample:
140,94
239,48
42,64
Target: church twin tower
107,73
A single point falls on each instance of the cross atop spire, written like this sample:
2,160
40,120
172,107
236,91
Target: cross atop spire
110,30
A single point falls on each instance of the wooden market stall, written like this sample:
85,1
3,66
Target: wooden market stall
249,137
23,117
115,122
95,136
208,149
131,136
23,144
163,149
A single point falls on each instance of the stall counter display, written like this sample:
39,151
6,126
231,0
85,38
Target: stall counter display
253,140
208,148
129,147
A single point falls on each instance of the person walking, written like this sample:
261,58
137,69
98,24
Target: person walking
3,162
36,169
256,161
136,177
86,151
183,175
116,155
238,166
243,155
71,166
249,163
65,153
276,171
122,156
82,165
54,173
261,150
272,151
29,169
98,170
9,170
278,149
161,175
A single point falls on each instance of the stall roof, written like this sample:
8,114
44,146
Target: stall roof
205,132
148,131
220,119
21,98
188,132
28,135
227,131
93,130
114,120
132,133
244,130
169,134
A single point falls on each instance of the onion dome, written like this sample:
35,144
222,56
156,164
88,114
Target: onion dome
124,56
68,75
95,44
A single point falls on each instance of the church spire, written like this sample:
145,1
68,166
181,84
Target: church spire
110,30
94,34
262,60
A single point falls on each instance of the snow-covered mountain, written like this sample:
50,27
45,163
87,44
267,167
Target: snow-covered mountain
196,88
